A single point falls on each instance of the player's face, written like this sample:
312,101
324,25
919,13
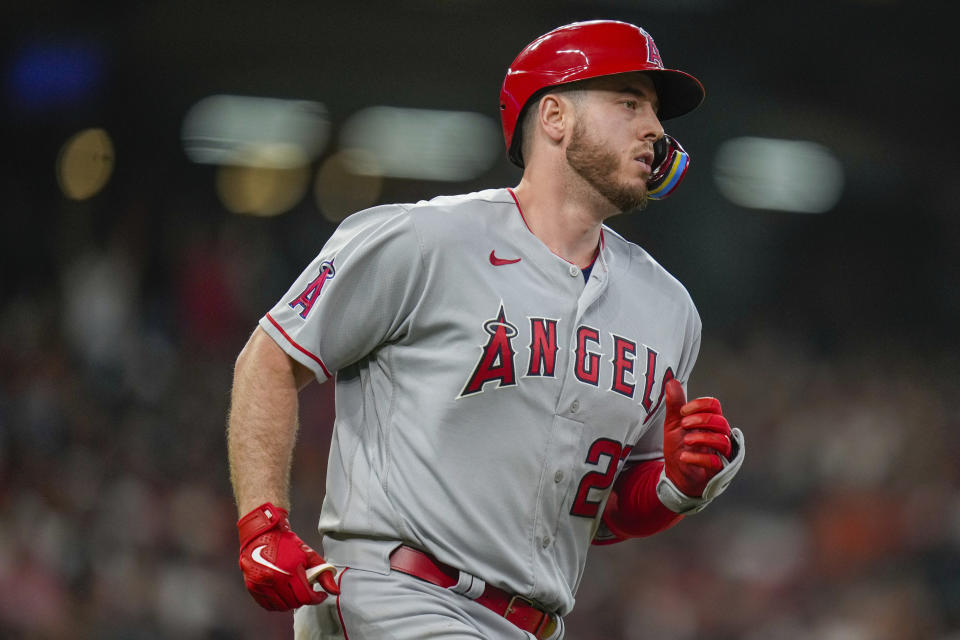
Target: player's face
612,143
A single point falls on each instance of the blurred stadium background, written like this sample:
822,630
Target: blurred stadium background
178,163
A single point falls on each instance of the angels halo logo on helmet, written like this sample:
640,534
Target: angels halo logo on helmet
583,50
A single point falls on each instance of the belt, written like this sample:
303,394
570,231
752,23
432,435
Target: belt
516,609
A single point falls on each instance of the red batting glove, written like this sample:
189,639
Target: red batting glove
274,561
695,435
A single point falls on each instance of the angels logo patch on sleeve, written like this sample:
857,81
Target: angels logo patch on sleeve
309,295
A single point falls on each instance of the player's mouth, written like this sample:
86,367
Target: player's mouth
646,161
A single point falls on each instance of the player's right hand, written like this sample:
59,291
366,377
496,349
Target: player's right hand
695,435
274,561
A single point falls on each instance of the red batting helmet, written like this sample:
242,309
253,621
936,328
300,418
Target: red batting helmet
588,50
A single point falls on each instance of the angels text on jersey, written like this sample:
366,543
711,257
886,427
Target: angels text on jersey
498,359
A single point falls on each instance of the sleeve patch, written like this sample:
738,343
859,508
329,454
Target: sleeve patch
309,295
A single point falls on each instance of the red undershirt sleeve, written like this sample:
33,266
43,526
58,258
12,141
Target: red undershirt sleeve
633,509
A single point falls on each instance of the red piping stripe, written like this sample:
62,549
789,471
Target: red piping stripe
343,627
596,253
293,342
519,209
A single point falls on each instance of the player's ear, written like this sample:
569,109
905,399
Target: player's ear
555,116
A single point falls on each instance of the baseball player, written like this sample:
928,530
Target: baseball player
510,374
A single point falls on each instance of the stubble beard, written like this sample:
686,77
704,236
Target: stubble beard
598,167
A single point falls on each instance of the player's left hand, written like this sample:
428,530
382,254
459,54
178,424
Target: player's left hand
695,435
701,452
278,567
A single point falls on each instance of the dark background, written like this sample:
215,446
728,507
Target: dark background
829,337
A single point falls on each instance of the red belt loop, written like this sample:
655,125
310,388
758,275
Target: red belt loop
515,608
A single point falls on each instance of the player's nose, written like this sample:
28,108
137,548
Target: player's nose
649,127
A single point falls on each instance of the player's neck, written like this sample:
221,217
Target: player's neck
568,226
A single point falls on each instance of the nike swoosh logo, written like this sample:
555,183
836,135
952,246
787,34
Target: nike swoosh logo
499,262
257,556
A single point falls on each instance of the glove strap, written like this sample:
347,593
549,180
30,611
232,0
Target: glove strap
679,502
260,520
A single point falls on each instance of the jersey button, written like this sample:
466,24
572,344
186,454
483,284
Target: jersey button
558,476
574,271
575,406
545,542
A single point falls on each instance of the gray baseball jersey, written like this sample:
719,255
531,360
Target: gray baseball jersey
486,396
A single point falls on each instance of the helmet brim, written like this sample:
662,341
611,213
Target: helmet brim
679,93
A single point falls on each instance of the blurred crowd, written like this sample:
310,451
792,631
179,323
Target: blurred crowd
117,519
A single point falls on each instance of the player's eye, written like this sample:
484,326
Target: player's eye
630,104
